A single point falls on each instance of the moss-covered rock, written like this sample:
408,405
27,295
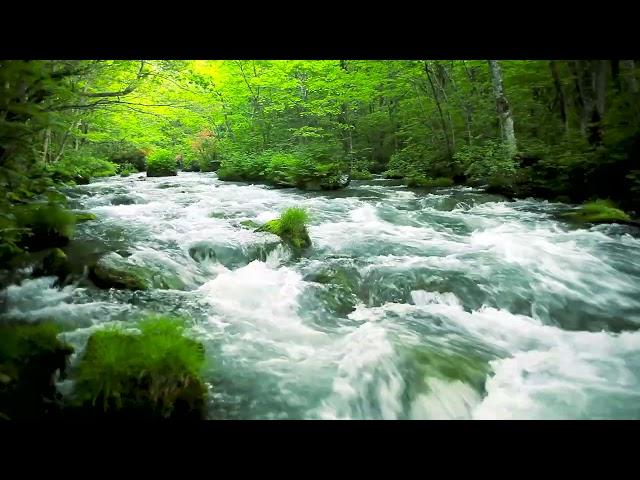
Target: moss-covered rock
291,227
85,217
30,357
153,373
123,200
113,271
598,211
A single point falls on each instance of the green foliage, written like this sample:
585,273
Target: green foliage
161,163
127,169
291,226
190,162
361,175
486,161
43,225
599,211
79,168
424,182
153,373
30,354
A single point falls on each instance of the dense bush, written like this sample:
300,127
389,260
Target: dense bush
308,168
424,182
420,160
43,225
126,169
80,168
486,161
161,163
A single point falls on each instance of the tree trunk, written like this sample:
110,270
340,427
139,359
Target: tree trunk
442,120
47,141
560,93
630,74
502,106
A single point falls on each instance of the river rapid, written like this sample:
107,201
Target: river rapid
453,304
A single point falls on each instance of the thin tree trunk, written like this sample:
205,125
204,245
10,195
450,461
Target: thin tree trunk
502,106
47,141
630,74
581,100
560,93
601,87
442,120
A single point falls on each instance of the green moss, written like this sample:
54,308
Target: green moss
154,373
85,217
598,211
425,363
30,355
291,227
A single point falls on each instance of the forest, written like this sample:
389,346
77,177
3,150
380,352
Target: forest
379,239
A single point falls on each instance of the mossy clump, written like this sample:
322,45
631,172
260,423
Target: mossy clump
424,182
30,356
153,373
425,363
291,227
598,211
85,217
162,163
44,225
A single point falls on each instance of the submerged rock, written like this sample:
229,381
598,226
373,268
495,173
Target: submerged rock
231,256
113,271
250,224
55,263
123,200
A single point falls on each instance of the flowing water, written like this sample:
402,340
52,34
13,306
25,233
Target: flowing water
410,305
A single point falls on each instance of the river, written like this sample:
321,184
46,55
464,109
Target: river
453,304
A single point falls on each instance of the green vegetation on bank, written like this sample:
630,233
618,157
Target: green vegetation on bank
519,128
161,163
